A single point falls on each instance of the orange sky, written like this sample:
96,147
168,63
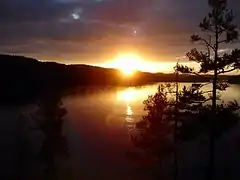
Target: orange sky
97,31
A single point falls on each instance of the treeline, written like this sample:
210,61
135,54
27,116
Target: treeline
25,79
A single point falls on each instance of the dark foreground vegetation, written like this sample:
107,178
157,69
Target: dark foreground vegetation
175,116
24,80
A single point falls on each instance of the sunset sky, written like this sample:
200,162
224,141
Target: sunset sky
95,31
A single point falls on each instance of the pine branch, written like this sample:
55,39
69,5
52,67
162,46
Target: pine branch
223,41
206,84
205,92
208,44
196,73
210,91
208,49
222,30
207,100
226,71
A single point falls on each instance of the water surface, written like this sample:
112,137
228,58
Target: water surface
101,121
97,128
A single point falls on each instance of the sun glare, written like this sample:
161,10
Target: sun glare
127,63
127,95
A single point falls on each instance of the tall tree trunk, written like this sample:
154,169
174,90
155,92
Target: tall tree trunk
214,108
175,132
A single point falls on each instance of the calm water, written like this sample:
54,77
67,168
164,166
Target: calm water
97,127
101,122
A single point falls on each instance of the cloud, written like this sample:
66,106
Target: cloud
97,27
31,11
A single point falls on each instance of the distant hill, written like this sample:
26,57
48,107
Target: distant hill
24,79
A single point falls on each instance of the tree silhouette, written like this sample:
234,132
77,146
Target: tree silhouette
170,121
154,131
219,28
161,129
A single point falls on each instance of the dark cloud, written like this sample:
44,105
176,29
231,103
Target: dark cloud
123,11
68,28
32,11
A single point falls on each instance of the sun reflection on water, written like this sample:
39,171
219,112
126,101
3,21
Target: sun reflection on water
132,97
128,96
129,112
129,118
125,95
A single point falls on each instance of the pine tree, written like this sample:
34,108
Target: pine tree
218,29
173,117
163,127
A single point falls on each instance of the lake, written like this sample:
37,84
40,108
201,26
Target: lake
97,127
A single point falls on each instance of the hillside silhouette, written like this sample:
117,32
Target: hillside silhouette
24,80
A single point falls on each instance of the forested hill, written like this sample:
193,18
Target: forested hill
24,79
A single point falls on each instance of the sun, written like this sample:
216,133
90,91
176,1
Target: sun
128,64
127,70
